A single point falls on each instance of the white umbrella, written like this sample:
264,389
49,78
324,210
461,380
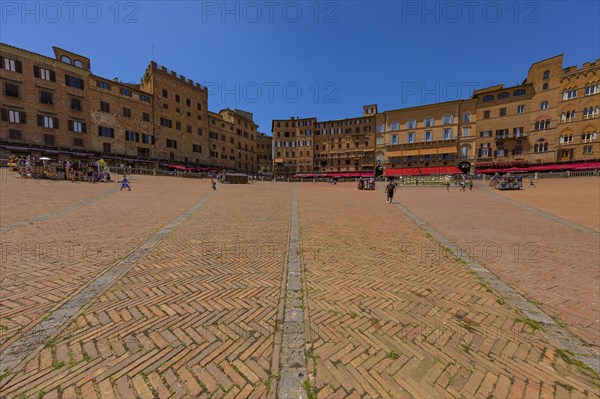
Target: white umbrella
44,159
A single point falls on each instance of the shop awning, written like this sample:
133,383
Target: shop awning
428,171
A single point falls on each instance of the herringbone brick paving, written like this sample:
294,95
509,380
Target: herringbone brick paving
575,199
391,314
195,318
554,265
22,199
388,321
44,263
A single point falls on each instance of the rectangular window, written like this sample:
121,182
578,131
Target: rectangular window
145,117
145,98
410,138
502,112
11,65
395,126
13,116
77,142
447,119
380,128
178,125
165,94
76,126
48,122
544,105
197,148
411,124
49,139
76,104
74,82
485,133
466,131
467,118
171,143
143,152
147,139
106,148
106,132
429,122
11,90
43,73
177,98
588,149
132,136
428,136
518,132
486,114
46,97
394,139
127,112
166,122
15,135
520,109
125,92
103,85
447,134
104,107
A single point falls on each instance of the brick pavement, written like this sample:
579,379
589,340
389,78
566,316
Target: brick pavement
196,318
22,199
44,263
574,199
388,312
551,264
392,315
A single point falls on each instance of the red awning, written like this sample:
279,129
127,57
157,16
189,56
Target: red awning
434,170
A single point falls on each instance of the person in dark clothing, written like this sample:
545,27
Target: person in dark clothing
390,190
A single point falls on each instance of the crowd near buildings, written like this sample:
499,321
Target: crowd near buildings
55,106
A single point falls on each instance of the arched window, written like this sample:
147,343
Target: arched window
519,92
546,75
488,97
503,95
66,59
536,148
545,147
78,64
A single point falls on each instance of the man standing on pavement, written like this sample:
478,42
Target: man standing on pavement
390,190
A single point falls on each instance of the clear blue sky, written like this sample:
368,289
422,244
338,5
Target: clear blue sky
325,59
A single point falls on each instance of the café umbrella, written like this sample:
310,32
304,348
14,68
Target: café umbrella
44,159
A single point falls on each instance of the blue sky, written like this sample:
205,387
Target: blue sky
325,59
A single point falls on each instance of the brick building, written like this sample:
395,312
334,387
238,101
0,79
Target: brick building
551,118
264,152
58,107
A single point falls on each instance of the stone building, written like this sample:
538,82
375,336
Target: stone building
57,107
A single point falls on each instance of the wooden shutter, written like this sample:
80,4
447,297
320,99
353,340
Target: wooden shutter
55,123
40,120
52,76
18,66
22,117
71,128
36,71
83,127
4,114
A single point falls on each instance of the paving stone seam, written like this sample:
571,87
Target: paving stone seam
293,370
560,336
31,342
57,212
541,213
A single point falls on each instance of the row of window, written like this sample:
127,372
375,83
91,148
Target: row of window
588,113
300,143
585,138
47,139
589,90
427,136
505,94
503,133
188,102
123,90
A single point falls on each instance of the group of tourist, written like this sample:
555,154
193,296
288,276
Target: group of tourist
366,183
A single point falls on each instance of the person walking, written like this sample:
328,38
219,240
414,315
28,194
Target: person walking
531,183
125,183
448,185
390,190
470,185
214,184
462,185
